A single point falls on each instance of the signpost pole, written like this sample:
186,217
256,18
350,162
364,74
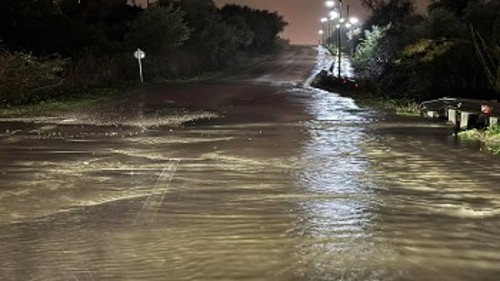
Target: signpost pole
140,70
139,55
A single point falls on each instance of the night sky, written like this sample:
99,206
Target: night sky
303,15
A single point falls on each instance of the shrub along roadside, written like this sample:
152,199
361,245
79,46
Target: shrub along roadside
490,137
452,51
67,101
25,78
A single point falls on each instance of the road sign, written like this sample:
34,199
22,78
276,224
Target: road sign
139,55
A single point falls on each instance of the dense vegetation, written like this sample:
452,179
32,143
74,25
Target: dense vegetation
67,44
453,51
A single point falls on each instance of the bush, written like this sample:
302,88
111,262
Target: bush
91,69
493,131
23,74
158,30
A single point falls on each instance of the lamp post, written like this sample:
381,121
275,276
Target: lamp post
339,38
352,24
321,32
329,4
335,17
324,22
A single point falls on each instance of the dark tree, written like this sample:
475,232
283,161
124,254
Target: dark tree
373,4
455,6
390,11
454,51
29,24
96,24
265,25
158,30
394,27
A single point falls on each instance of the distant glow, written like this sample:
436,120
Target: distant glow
321,32
354,20
341,20
304,15
338,25
324,20
330,4
348,25
334,15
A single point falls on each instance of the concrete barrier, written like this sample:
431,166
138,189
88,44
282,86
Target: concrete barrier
494,121
453,116
468,119
432,114
463,113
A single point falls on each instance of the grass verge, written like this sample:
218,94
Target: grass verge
402,107
71,101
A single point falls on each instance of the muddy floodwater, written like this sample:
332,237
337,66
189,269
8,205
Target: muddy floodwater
292,183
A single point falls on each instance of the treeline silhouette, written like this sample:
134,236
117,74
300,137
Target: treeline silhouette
71,43
452,51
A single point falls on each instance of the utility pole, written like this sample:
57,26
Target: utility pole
339,40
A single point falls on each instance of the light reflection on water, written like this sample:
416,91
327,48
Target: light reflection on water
338,224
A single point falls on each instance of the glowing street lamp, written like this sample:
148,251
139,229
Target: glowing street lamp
324,22
330,4
334,14
351,22
321,32
336,20
354,21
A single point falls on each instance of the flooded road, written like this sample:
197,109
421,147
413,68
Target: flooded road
293,183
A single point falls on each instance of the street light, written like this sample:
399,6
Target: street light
354,20
321,32
350,22
330,4
336,20
324,22
334,15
